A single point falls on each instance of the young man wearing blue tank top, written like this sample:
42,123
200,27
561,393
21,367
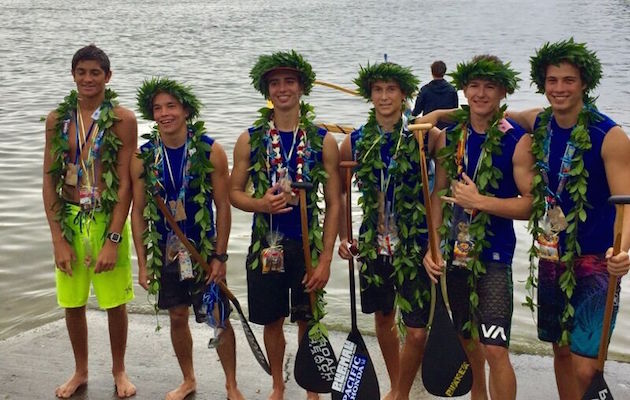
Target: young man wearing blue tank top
282,147
189,170
488,161
582,159
389,180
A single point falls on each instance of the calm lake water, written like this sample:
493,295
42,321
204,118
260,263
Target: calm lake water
212,46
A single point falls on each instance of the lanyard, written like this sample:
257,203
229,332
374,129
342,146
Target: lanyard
386,177
461,158
81,134
178,186
563,174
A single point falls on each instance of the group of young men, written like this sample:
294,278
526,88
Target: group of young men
489,171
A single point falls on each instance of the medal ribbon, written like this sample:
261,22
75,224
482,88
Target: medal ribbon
181,184
563,174
82,163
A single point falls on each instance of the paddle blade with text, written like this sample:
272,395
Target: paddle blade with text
315,364
446,371
355,378
598,389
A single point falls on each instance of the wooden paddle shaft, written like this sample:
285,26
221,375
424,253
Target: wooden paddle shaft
337,87
348,165
306,245
193,251
612,288
336,128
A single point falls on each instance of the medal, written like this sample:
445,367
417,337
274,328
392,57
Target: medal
72,175
463,245
177,210
557,219
547,247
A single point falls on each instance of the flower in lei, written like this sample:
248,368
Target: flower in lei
108,147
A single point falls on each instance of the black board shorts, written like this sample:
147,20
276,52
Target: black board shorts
273,295
494,314
380,298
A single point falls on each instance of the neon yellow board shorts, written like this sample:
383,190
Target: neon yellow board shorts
112,288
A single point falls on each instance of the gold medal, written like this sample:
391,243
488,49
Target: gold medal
180,211
72,175
557,219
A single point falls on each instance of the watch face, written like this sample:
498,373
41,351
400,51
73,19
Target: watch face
114,237
222,257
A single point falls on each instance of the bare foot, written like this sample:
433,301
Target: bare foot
312,396
186,388
234,394
70,387
277,394
124,387
391,395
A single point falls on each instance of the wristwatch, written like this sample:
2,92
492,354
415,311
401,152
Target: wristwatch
221,257
115,237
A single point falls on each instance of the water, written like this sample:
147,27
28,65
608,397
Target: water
212,46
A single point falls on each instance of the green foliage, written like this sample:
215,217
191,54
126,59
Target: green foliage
487,68
488,176
386,71
109,152
151,87
576,186
409,212
281,60
566,51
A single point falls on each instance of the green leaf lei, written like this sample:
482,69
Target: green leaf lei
488,176
200,170
60,148
576,186
410,213
317,176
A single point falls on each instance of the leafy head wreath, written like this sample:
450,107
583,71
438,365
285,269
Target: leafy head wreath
566,51
152,87
486,67
386,71
282,60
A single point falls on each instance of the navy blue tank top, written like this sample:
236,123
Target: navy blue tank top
413,175
596,234
503,240
289,224
189,227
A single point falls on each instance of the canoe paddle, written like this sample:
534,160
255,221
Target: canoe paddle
249,334
598,389
315,361
446,370
355,378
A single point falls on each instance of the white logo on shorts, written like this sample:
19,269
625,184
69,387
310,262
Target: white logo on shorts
493,332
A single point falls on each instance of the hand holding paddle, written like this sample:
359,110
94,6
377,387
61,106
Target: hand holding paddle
598,389
315,361
249,334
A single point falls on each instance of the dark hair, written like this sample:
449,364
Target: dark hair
438,69
91,52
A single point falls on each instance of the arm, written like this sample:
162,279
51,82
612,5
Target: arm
138,223
331,218
220,183
437,140
127,131
615,150
525,118
345,153
436,115
467,195
271,202
62,250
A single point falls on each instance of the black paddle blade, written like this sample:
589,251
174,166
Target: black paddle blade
315,364
251,339
598,389
446,371
355,378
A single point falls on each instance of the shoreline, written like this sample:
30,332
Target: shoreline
36,361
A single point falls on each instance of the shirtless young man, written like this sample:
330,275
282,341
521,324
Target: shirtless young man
87,192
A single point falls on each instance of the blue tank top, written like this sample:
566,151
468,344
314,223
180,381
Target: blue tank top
289,224
190,228
596,234
503,239
412,176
